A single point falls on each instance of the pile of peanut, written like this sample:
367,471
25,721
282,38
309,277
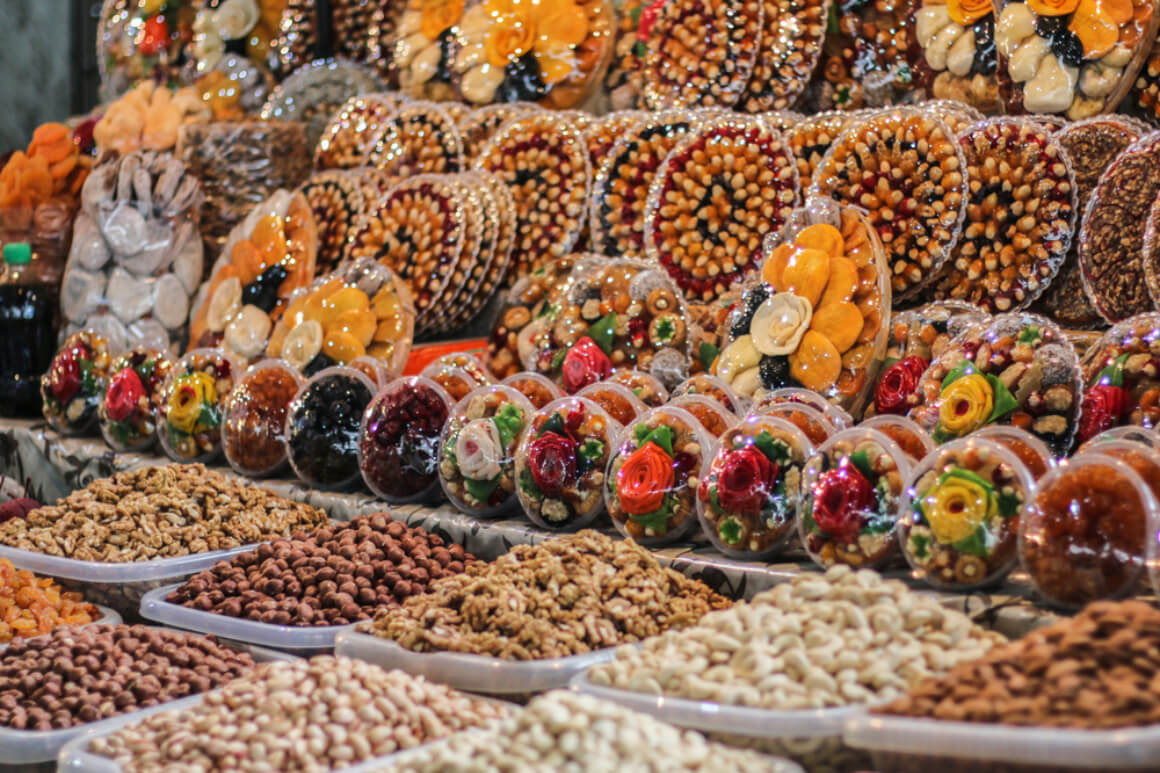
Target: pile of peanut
1097,670
840,638
158,512
312,715
562,730
567,596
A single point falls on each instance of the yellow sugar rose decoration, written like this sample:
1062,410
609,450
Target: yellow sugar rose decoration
550,29
957,505
967,403
191,393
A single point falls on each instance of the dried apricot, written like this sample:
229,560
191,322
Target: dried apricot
839,322
1095,30
806,274
266,230
775,264
342,347
359,323
824,237
1119,11
247,261
816,364
843,281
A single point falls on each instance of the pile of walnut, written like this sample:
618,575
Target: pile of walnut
158,512
567,596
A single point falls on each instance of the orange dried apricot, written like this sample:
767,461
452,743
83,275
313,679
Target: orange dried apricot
775,264
843,281
839,322
342,347
1095,30
266,230
824,237
359,323
816,364
806,274
246,260
1119,11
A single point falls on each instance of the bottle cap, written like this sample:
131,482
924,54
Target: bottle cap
17,253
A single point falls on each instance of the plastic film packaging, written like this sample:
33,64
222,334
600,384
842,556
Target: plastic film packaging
1120,379
418,138
714,417
715,389
350,136
191,404
254,418
400,438
323,425
539,390
524,315
129,407
791,44
73,387
616,399
646,388
338,202
314,93
914,441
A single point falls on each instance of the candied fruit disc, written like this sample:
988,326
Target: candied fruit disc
816,364
774,266
266,231
342,347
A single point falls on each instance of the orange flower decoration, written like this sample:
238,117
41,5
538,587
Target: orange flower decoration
1097,24
1052,7
644,479
439,15
551,29
510,37
967,12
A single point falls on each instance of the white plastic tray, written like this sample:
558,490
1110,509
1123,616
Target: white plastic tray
29,747
108,617
292,638
974,746
118,573
470,673
710,717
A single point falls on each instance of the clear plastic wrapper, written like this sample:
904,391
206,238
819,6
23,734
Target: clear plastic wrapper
360,310
616,399
542,159
560,463
74,385
467,362
952,52
323,425
127,55
818,318
1122,385
337,200
1091,146
486,279
958,524
1075,58
1113,254
852,488
129,408
268,256
811,138
456,381
621,186
1143,459
1143,98
314,93
477,450
864,61
707,325
191,404
233,88
1031,451
733,159
906,168
614,315
371,368
713,388
539,390
914,441
791,43
1019,369
714,417
836,415
254,417
653,476
1086,535
1132,434
148,117
1013,244
481,123
349,139
814,424
603,133
240,165
419,138
399,442
751,489
624,78
646,388
699,55
136,256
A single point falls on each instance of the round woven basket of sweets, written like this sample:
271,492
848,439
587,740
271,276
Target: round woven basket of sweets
791,44
337,200
810,139
351,134
478,126
420,138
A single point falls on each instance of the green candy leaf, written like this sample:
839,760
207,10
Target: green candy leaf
553,424
528,484
658,520
1030,335
509,421
481,490
639,49
974,545
662,436
1113,375
964,368
968,476
707,353
832,25
1003,401
920,544
1009,504
548,308
861,460
558,359
713,498
775,450
730,531
592,449
808,518
603,331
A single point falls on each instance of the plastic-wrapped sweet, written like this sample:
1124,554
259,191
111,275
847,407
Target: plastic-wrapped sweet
493,268
698,54
314,93
469,363
654,474
136,259
477,450
233,88
810,139
399,443
418,138
269,256
538,389
525,315
135,42
814,424
818,318
1011,246
851,491
648,389
337,200
713,388
707,325
350,137
191,404
254,417
616,399
836,415
323,425
864,61
148,117
952,53
605,130
362,309
916,337
1030,450
457,382
1076,58
1121,373
732,174
478,126
714,417
792,33
1141,435
561,462
371,368
959,522
905,167
911,438
128,413
1019,369
1086,535
614,315
74,384
751,490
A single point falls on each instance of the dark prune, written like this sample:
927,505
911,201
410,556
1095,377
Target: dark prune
522,81
752,300
323,429
320,363
263,291
1048,26
1067,46
986,57
775,372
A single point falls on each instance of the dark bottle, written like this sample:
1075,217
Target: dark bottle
29,292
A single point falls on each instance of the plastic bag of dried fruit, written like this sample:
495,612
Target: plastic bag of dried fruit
818,317
361,309
864,58
613,315
1071,57
1121,376
267,257
136,256
952,52
524,316
1018,369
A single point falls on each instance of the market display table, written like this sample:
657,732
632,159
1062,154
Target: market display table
51,466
